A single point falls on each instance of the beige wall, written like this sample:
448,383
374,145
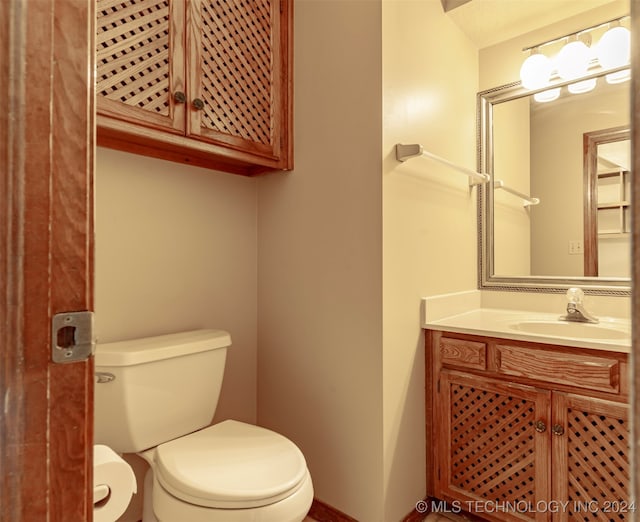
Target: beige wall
349,395
320,269
429,216
176,250
511,219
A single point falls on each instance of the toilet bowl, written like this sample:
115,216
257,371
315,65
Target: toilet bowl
155,397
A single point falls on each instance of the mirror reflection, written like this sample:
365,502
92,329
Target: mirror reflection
564,159
538,150
607,226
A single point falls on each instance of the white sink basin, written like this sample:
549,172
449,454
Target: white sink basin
603,331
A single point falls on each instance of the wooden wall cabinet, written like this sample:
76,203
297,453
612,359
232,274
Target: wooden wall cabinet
203,82
523,431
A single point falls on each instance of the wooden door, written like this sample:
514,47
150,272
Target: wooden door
46,245
590,456
140,65
490,455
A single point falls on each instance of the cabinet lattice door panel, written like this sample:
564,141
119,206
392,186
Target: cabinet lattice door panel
495,455
238,75
139,61
203,82
593,452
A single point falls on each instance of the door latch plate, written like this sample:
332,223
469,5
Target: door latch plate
72,337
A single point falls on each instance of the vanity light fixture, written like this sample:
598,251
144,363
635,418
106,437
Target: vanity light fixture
536,70
573,59
614,50
547,96
583,86
576,59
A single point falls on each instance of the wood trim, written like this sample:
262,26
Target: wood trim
635,288
70,416
596,373
322,512
430,409
590,206
619,393
590,142
468,354
46,243
325,513
418,516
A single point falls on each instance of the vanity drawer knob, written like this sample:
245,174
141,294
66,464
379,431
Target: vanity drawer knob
540,426
557,429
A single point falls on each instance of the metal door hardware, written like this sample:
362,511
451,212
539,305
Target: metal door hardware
72,337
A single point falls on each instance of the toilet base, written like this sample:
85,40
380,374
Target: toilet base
294,508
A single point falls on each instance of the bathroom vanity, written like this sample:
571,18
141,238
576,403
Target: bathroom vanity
527,430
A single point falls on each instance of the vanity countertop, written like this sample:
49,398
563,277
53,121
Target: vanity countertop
610,334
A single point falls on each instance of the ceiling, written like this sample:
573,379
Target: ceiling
488,22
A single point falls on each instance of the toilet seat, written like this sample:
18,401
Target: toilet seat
230,465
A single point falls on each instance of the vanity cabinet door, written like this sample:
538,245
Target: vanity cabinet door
590,455
492,446
140,76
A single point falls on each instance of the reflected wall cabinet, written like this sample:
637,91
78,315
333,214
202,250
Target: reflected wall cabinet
205,82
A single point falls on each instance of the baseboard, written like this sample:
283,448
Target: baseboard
418,516
325,513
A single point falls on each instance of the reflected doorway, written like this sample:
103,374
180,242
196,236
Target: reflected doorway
607,203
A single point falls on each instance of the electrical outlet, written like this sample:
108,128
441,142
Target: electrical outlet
576,247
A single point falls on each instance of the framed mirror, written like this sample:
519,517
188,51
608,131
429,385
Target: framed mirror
556,211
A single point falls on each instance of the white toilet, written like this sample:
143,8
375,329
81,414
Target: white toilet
156,397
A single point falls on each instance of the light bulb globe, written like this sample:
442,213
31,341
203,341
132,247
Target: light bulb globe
583,86
573,60
547,96
535,71
614,48
618,77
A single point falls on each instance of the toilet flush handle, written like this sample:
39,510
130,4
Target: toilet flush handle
102,377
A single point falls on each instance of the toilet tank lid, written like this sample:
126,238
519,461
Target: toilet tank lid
139,351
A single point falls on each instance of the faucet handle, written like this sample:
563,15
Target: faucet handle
575,295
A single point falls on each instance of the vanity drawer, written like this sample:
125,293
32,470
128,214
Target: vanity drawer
459,352
582,371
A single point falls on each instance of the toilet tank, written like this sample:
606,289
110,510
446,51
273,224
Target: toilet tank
152,390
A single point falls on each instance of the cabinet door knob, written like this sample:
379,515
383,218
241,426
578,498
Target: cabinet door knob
540,426
179,97
557,429
198,104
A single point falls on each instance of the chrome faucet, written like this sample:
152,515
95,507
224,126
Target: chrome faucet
576,311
